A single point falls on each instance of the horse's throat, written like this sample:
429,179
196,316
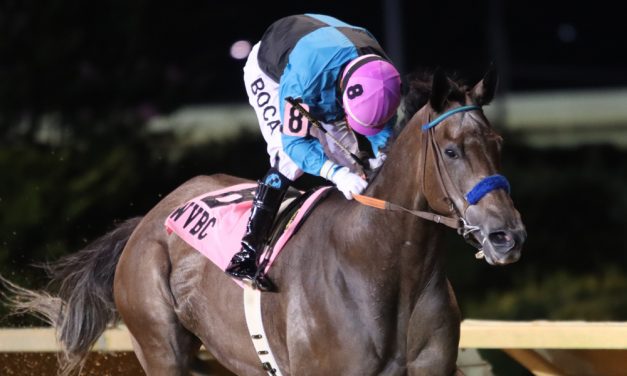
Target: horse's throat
407,247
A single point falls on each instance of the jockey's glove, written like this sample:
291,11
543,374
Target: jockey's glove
346,181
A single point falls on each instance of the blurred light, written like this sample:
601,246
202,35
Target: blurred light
240,49
566,33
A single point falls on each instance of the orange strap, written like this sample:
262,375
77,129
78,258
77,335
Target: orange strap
385,205
370,201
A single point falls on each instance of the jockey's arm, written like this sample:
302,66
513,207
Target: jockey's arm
309,156
379,140
306,152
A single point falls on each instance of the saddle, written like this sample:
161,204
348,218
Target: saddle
215,222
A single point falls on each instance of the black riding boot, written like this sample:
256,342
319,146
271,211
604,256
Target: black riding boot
244,264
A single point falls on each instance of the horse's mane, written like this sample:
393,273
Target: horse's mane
417,90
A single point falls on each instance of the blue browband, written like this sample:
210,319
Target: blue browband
487,184
441,118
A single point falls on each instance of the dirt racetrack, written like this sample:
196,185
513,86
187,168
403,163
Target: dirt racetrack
98,364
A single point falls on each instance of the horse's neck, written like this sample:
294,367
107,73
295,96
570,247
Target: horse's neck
400,178
407,248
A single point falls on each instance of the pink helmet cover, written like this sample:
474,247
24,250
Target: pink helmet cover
371,93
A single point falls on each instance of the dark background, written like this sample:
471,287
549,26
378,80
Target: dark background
98,71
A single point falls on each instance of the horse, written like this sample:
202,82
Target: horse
361,290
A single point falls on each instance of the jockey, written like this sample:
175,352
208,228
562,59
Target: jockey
340,74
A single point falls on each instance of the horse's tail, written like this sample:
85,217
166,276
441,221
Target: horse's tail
82,306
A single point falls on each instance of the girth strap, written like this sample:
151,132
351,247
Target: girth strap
254,321
386,205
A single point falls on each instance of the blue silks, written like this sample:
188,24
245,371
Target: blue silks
485,186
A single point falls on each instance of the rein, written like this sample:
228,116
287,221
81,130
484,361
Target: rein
482,188
386,205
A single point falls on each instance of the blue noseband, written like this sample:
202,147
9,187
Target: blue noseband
487,184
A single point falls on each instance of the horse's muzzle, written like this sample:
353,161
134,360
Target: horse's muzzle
504,246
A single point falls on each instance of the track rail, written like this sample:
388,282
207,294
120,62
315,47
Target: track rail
546,348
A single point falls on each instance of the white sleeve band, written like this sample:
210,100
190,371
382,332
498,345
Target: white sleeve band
327,169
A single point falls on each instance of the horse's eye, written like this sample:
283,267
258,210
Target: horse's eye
451,153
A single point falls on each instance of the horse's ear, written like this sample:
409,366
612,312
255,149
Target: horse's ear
484,91
440,90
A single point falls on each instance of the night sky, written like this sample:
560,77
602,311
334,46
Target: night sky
104,55
537,45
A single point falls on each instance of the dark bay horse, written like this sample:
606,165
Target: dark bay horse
361,291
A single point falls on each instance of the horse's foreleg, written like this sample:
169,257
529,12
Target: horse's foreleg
143,298
433,334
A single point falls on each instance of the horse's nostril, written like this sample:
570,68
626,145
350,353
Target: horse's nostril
501,239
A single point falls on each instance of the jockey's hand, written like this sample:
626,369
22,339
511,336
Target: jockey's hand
348,182
377,162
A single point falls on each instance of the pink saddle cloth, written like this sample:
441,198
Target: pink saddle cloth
214,223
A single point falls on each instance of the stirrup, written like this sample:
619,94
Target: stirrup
243,269
261,280
244,277
262,283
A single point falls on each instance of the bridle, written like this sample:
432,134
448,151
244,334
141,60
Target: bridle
457,221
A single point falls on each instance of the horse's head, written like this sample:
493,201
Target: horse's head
459,162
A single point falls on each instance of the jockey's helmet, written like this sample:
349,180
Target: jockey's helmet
371,93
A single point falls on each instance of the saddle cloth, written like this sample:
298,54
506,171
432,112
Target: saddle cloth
215,222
